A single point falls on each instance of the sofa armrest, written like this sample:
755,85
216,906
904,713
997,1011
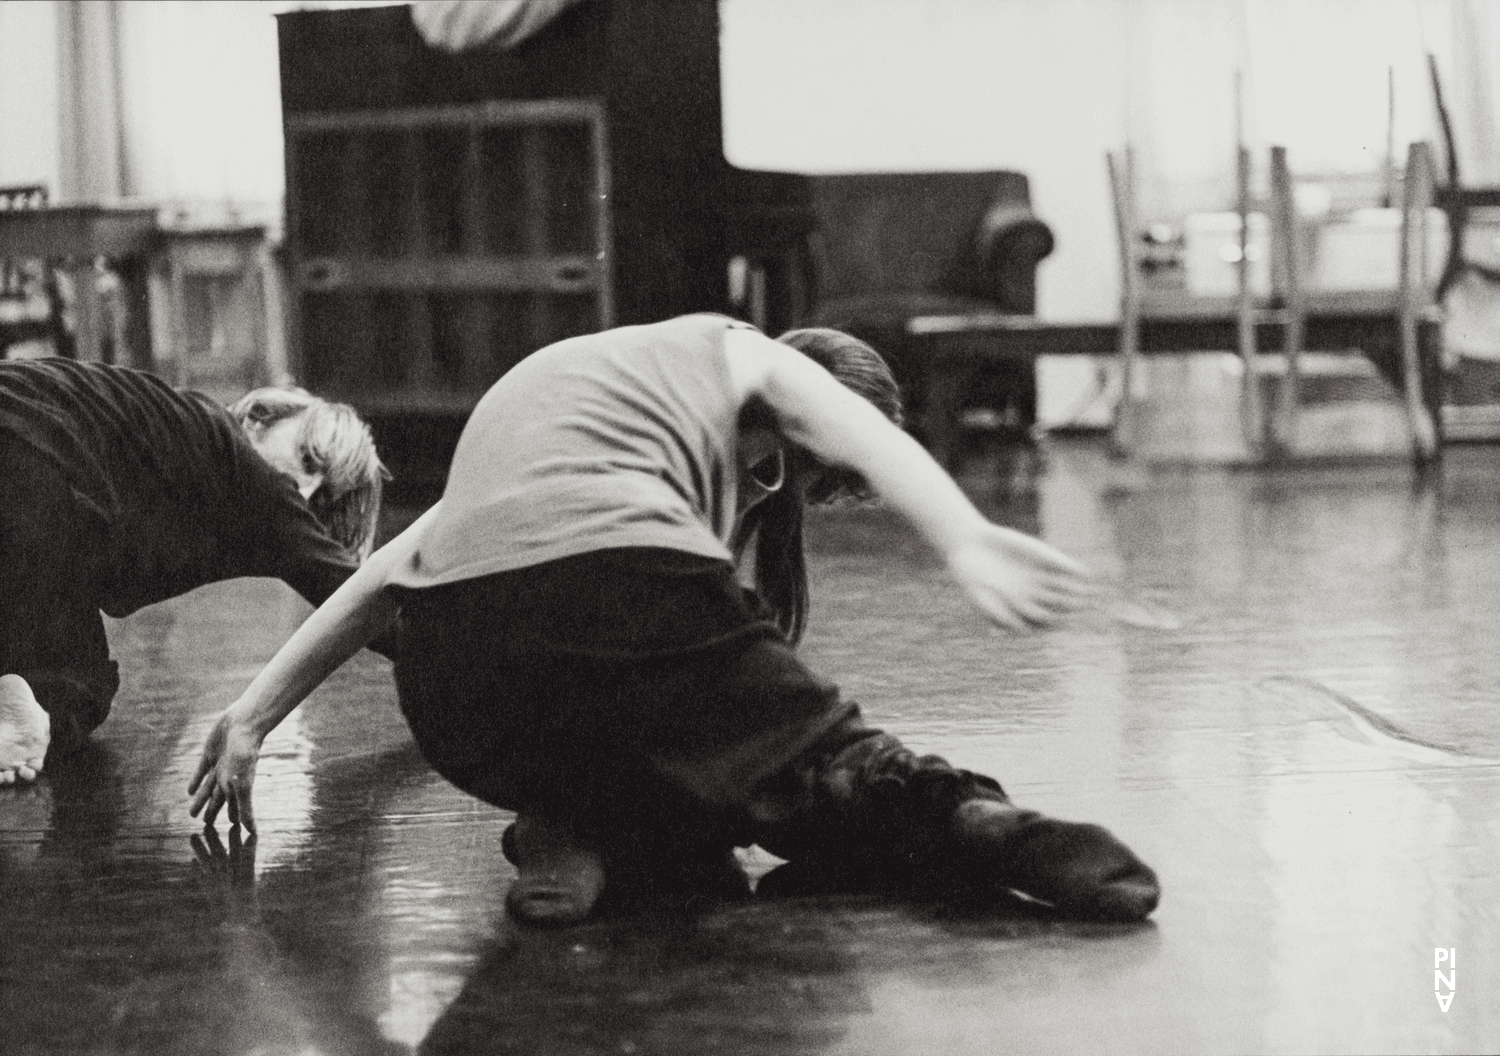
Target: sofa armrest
1007,244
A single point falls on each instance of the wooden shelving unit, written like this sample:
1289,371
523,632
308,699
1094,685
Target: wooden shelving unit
435,247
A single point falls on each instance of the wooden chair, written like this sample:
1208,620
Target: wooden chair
1397,329
1412,300
1457,201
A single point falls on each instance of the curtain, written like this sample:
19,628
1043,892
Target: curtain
29,104
201,107
91,131
171,103
1342,84
1471,86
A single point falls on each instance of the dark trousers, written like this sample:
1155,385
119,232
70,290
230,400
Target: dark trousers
51,632
643,697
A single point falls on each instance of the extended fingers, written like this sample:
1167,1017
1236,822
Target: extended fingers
1065,574
1061,598
1037,613
205,764
238,802
247,813
1014,614
230,793
1032,611
201,794
1046,602
210,800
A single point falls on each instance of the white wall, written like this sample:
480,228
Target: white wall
205,126
28,94
200,100
1048,86
861,85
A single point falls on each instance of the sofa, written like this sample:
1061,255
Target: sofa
890,248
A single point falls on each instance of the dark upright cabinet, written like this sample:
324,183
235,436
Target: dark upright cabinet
447,214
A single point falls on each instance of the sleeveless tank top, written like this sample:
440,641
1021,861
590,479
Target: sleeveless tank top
621,438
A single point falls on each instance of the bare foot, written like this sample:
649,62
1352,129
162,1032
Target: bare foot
25,731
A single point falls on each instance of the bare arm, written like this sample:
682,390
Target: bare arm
353,615
1015,579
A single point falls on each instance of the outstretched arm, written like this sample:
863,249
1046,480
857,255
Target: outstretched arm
355,613
1016,580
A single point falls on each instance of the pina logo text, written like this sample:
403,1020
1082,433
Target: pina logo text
1443,979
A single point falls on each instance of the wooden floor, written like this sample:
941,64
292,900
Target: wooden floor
1287,703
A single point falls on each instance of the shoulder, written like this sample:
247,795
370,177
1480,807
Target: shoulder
753,359
694,353
98,386
102,399
760,367
68,378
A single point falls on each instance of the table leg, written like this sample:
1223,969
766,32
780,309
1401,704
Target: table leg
939,417
88,310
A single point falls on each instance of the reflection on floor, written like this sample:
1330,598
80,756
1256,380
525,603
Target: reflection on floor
1285,702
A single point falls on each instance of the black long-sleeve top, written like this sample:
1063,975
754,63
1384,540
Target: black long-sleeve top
180,497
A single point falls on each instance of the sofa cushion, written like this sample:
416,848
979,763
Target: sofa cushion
890,311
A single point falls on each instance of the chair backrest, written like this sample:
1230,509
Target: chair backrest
1457,201
886,233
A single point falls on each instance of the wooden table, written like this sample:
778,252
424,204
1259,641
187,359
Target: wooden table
72,238
945,351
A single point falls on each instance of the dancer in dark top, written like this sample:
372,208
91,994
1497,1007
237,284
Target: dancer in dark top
117,491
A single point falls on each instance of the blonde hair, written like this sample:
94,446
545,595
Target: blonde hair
335,442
